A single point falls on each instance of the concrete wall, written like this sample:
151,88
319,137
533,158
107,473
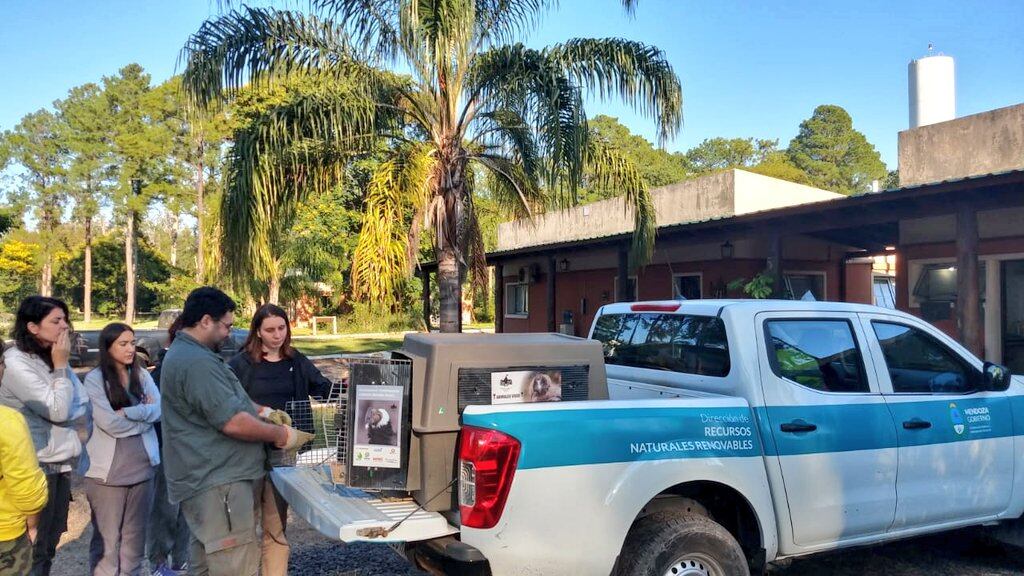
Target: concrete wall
755,193
978,144
722,194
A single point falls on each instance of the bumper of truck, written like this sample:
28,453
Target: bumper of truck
447,556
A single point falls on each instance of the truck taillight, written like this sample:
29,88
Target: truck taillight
487,463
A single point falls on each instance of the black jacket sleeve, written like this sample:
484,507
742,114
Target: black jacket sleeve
318,385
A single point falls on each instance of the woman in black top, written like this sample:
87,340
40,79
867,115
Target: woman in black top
274,373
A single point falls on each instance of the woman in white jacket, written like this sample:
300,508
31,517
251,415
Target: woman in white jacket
39,383
121,455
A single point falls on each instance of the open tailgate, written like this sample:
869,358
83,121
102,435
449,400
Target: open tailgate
351,515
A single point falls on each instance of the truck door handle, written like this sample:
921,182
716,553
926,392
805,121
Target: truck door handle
916,424
798,426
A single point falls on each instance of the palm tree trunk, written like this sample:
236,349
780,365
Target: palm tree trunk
129,267
449,290
87,290
449,286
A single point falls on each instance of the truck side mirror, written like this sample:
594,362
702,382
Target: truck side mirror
997,377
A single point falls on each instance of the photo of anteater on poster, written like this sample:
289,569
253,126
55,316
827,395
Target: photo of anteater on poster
526,386
378,429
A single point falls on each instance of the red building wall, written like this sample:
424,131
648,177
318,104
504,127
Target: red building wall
583,292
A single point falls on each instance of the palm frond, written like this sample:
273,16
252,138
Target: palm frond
514,191
614,170
538,90
635,72
372,25
256,44
379,263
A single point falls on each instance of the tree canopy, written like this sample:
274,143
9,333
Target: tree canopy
475,99
835,155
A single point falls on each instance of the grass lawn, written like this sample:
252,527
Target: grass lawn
348,344
99,323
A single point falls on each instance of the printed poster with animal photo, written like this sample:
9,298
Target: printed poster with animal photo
378,433
526,386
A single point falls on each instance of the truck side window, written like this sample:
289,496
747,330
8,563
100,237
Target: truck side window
673,342
920,364
818,354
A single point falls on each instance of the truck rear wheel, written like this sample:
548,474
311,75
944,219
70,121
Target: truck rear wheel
678,544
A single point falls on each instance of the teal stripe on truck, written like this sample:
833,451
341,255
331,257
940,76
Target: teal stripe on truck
559,437
575,437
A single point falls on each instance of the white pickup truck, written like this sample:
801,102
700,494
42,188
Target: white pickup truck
737,433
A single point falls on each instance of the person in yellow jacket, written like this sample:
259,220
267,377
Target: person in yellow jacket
22,491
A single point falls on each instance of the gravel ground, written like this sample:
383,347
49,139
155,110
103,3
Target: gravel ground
958,553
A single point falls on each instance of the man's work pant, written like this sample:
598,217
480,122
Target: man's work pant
223,523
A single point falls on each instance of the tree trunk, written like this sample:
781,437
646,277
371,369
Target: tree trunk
449,290
46,279
174,240
451,168
200,214
274,290
87,290
129,267
46,283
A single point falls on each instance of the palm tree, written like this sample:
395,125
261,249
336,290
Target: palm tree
474,108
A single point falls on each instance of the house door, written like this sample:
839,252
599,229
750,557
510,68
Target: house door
1013,315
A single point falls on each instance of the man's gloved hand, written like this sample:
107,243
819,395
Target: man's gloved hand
280,417
294,440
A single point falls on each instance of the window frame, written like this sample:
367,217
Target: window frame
636,289
891,281
700,283
526,300
824,282
929,337
773,361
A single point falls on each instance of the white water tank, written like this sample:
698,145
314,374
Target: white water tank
932,90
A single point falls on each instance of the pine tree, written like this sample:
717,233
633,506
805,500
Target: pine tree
835,155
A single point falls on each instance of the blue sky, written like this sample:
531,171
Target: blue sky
749,68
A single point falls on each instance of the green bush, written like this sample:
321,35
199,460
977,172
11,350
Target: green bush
365,318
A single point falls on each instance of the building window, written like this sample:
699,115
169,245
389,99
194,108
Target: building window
686,286
631,289
517,299
804,285
884,288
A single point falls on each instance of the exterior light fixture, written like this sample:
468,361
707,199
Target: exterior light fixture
563,265
727,250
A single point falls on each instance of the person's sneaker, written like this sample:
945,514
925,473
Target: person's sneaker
164,570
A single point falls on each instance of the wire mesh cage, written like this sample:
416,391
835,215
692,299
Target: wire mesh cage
322,417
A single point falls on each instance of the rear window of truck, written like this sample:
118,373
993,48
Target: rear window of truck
672,342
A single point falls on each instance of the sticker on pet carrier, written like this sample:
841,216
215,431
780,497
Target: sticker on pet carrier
379,427
526,386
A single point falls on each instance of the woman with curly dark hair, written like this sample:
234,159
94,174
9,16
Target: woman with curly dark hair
39,383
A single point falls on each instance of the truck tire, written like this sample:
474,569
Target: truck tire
676,544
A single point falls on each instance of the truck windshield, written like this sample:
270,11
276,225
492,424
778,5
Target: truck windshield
673,342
